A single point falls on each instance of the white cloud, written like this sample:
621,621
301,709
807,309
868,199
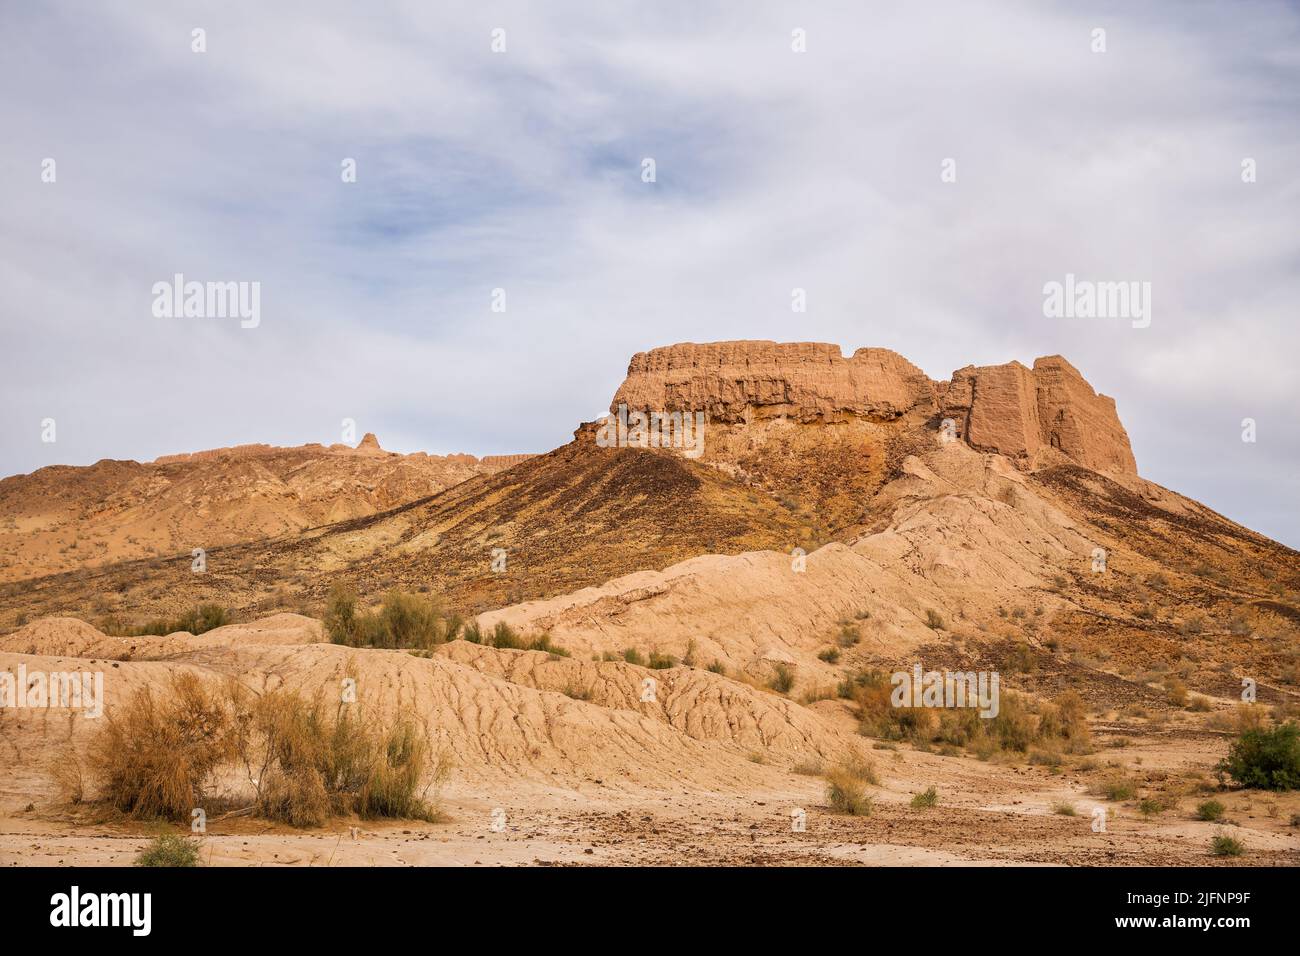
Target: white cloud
476,170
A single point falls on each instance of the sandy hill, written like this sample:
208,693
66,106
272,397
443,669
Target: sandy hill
803,447
63,517
841,514
499,714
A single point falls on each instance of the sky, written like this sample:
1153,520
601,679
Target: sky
521,169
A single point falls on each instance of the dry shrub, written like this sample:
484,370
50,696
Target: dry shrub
288,752
1240,719
846,788
400,775
156,758
69,776
1067,718
1176,691
308,763
1020,722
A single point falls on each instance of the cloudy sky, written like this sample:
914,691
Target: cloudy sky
521,170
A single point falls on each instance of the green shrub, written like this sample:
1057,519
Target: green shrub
783,680
403,621
544,643
506,637
1227,846
168,849
1115,788
397,777
1149,807
925,799
408,620
1210,810
341,615
203,618
1265,759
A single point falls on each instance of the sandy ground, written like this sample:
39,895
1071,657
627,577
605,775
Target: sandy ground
988,815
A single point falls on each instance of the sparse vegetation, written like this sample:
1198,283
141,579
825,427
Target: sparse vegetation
846,788
814,694
1019,723
927,798
156,756
830,656
1021,660
1210,810
197,621
934,620
1176,691
848,635
168,849
404,620
417,621
1224,845
1115,787
783,679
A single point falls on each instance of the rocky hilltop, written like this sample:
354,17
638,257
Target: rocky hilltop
1025,414
64,517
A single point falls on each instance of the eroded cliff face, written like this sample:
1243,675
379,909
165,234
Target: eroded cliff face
1010,409
1019,412
803,381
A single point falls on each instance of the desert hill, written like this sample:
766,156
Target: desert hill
63,517
841,516
803,447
